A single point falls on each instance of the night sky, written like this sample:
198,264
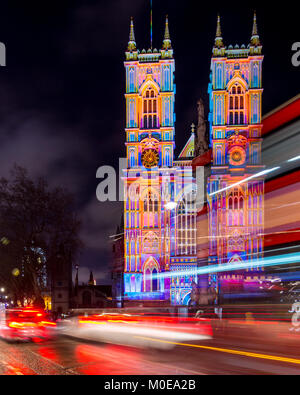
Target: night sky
62,91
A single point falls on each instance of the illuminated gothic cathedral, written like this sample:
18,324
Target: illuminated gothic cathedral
235,194
160,219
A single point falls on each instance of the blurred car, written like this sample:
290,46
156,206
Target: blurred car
150,330
25,324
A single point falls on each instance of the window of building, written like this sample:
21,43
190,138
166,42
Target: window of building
150,204
150,117
151,282
186,226
132,158
237,105
236,208
168,157
219,156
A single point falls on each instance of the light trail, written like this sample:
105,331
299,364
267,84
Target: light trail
293,159
261,173
219,268
230,351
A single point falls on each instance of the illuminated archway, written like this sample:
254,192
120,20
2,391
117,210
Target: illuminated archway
151,269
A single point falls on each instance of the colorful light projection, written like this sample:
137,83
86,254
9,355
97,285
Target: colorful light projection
284,259
157,221
236,185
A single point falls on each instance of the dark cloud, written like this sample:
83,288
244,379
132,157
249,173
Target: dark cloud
95,27
100,220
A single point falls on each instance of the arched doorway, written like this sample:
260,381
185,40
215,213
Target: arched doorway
151,270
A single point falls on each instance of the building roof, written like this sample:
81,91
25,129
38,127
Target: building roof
188,151
203,160
189,148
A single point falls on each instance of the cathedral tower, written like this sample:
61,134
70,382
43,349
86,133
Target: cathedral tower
159,222
149,185
235,193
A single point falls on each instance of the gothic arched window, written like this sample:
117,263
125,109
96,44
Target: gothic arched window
219,156
132,158
151,282
186,226
151,209
154,280
131,80
148,280
167,157
236,208
236,105
150,116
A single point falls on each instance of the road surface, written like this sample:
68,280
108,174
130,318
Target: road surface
221,355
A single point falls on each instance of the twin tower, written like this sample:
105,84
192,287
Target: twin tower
160,259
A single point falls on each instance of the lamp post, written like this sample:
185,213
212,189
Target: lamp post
76,285
169,207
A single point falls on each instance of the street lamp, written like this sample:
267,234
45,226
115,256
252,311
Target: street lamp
2,289
170,205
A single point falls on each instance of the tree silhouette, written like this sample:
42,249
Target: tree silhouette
38,231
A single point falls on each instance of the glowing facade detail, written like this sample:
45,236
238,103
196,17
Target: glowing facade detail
236,211
154,181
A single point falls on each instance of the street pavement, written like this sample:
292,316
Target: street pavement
224,354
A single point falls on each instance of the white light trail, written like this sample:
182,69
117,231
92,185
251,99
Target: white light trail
170,205
219,268
261,173
293,159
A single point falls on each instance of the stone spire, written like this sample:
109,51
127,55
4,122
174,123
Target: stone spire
131,42
167,39
91,280
219,39
254,37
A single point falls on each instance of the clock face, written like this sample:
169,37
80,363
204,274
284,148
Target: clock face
237,156
150,158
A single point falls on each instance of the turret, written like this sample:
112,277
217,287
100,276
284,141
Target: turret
91,280
131,53
131,43
167,40
255,45
167,51
219,48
